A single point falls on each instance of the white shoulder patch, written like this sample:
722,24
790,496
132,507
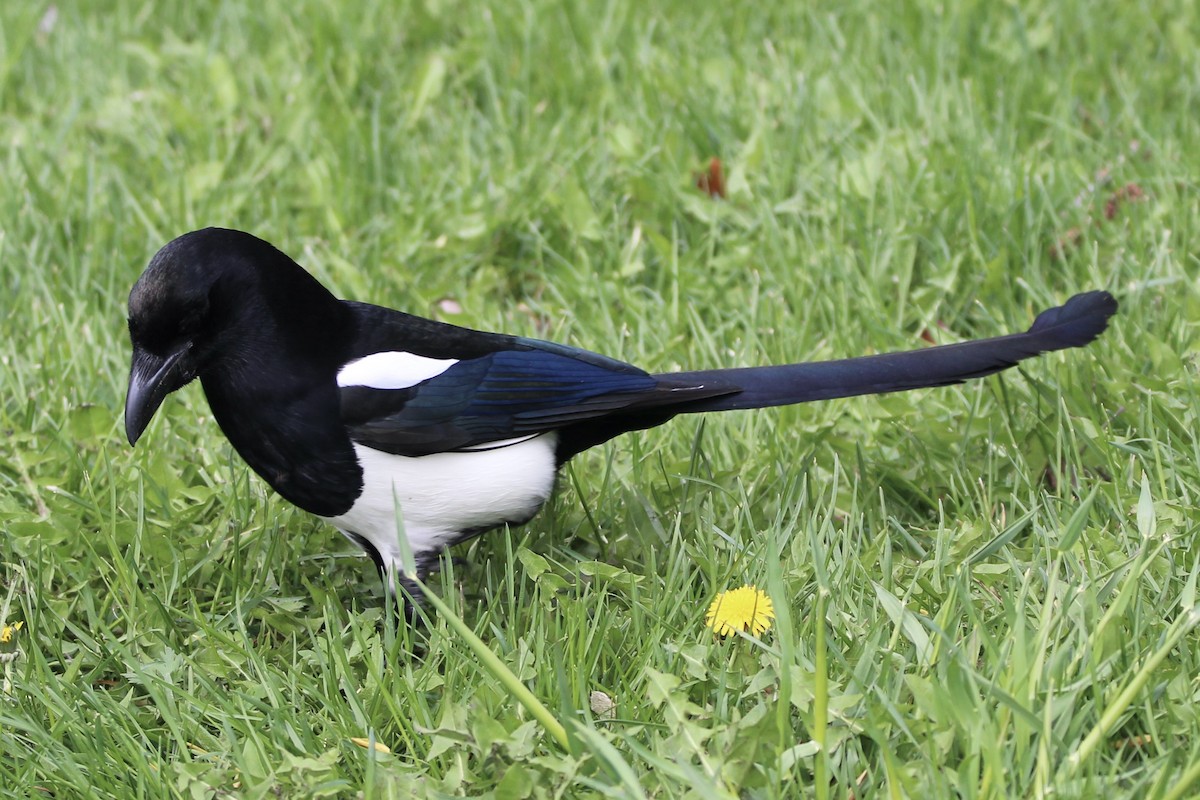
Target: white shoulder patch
392,370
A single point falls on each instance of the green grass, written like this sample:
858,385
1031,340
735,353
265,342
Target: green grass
985,591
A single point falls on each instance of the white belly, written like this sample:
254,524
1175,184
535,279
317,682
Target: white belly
442,495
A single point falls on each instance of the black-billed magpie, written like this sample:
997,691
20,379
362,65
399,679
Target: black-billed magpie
354,411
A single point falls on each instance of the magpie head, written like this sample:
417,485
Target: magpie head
213,300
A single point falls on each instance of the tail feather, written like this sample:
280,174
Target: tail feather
1074,324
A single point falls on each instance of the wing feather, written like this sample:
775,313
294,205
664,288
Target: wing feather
505,395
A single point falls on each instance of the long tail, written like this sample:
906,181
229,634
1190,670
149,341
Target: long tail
1073,324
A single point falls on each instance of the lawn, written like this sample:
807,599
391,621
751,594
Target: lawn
983,591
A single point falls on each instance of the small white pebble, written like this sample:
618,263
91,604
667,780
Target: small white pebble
46,25
602,705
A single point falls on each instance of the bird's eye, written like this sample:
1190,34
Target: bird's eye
192,319
189,326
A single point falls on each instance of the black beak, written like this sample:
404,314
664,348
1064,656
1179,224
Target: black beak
151,379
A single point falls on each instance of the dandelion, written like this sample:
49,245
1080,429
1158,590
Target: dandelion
747,609
8,645
8,631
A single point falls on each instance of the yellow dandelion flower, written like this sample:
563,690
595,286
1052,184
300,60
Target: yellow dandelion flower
746,609
7,632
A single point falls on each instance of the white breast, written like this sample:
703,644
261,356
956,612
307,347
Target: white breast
442,495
